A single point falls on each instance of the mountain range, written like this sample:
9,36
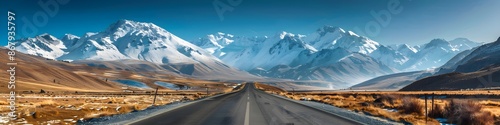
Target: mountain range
329,54
127,39
477,68
474,68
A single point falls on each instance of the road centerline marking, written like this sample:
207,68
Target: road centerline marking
247,114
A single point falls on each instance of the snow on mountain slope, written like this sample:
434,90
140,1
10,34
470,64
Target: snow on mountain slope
351,70
389,56
344,71
280,49
134,40
221,43
471,71
484,56
126,40
286,53
463,44
320,58
69,40
406,50
43,45
436,53
214,42
399,80
329,37
284,48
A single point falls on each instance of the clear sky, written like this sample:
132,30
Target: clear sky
418,22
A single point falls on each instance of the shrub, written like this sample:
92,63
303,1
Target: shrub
467,113
412,105
389,98
438,112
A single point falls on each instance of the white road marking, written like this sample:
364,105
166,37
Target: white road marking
247,114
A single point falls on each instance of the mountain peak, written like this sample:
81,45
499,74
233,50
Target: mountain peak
330,29
461,39
283,34
47,36
437,42
69,36
69,40
124,25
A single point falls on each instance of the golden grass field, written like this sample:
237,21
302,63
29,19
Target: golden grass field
402,106
68,108
75,92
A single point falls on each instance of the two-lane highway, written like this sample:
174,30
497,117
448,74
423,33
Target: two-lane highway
246,107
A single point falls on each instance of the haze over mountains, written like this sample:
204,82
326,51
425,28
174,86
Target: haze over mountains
330,54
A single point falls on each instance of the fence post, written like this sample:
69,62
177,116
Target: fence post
156,92
425,98
432,106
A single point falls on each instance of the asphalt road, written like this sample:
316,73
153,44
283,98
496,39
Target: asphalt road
246,107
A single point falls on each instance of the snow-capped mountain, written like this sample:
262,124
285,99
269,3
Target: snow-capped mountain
281,49
329,37
134,40
293,56
43,45
70,40
329,54
464,44
214,42
220,43
333,65
477,68
125,40
406,49
436,53
300,57
485,56
389,56
400,80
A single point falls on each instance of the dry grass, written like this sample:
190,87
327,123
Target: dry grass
467,113
269,88
68,109
409,108
412,105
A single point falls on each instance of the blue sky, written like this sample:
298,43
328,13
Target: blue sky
418,22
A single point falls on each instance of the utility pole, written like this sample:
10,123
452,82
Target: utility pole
156,92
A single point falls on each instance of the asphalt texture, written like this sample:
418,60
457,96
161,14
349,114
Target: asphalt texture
246,107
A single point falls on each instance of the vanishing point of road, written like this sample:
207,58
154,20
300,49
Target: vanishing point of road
246,107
